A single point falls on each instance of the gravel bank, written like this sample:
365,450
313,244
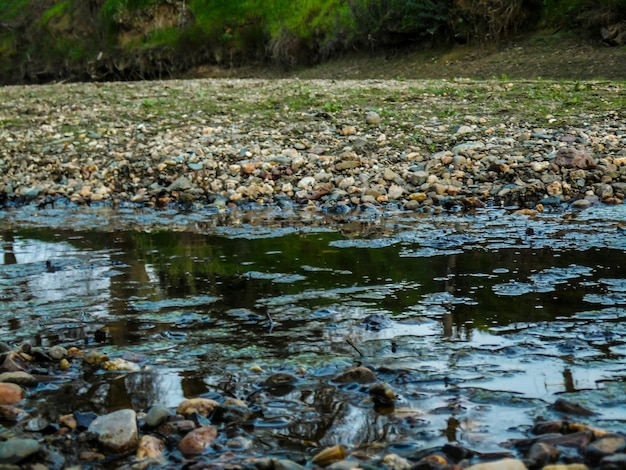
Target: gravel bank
333,146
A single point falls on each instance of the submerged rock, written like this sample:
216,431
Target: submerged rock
569,407
361,375
330,455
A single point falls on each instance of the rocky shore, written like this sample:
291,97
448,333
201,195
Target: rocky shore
219,431
336,147
333,146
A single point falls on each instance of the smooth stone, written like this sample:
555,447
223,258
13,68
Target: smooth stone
198,440
571,466
181,184
116,432
573,408
504,464
605,446
157,414
361,375
15,450
569,157
615,461
464,130
372,118
579,440
150,447
467,146
347,165
202,406
57,352
395,462
344,465
382,394
84,420
11,413
581,204
284,464
329,455
542,453
10,393
306,182
19,378
182,426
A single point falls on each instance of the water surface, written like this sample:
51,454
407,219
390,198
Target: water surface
478,323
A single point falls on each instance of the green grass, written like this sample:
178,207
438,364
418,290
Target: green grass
9,9
57,10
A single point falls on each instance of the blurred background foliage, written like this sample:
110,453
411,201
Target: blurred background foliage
40,38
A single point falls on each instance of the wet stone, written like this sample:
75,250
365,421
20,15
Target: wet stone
157,414
614,462
180,426
116,432
150,447
57,352
10,393
542,453
202,406
572,408
504,464
11,413
284,464
579,440
361,375
395,462
84,420
15,450
605,446
19,378
196,441
382,394
329,455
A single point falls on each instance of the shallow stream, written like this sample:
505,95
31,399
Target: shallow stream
478,323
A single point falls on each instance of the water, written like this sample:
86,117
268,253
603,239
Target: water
477,323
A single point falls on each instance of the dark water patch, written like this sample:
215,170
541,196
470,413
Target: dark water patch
475,325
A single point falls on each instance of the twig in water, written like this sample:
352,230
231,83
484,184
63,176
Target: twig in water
349,341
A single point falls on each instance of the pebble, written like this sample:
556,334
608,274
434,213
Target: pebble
361,375
196,441
372,118
157,414
16,450
202,406
150,447
10,393
117,431
227,160
503,464
329,455
19,378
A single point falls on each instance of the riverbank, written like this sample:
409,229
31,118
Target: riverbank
332,145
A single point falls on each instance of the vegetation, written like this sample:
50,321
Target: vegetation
281,31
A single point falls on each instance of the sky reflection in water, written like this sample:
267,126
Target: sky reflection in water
475,312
